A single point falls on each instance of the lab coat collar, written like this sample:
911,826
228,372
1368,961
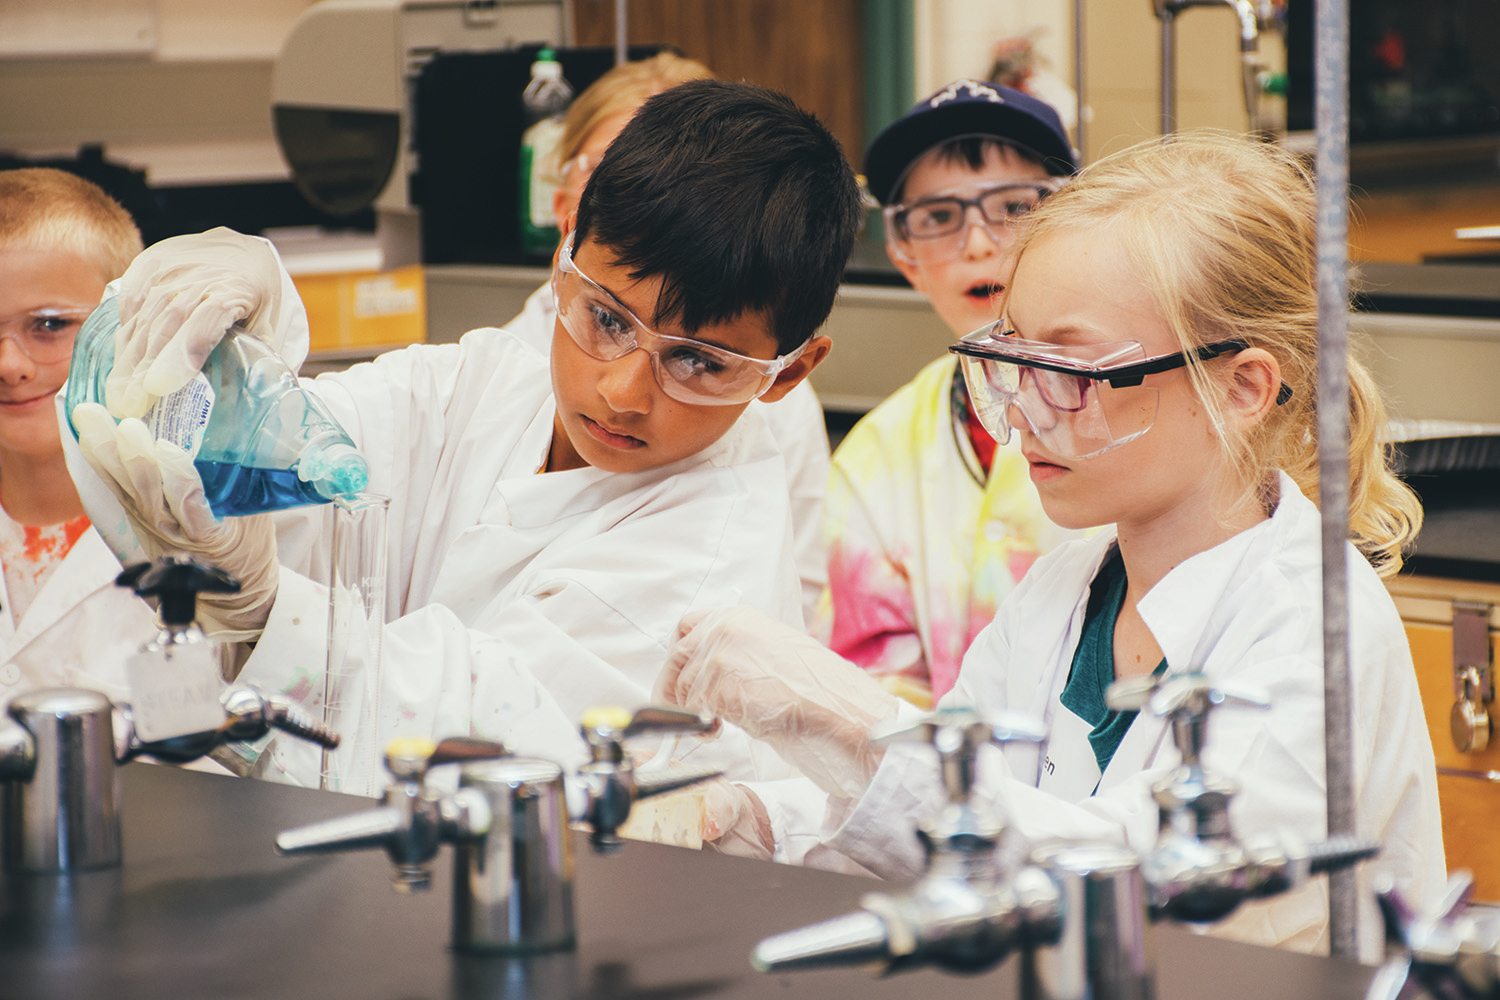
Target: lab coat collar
75,578
1184,611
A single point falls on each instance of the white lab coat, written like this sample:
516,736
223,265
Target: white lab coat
518,600
1248,612
796,423
79,629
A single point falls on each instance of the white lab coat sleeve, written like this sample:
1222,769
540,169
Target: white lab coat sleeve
440,679
796,423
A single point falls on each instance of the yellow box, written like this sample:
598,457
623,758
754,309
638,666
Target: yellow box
365,309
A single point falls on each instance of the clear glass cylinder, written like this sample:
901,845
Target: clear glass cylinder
356,627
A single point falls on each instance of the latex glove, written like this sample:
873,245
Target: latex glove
735,822
163,499
177,300
783,687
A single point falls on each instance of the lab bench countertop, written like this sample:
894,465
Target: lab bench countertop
203,907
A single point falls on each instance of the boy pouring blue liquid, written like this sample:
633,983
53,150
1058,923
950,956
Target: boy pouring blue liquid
547,533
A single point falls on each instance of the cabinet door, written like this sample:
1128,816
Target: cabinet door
1468,783
810,50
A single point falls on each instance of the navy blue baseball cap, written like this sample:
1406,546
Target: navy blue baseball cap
967,107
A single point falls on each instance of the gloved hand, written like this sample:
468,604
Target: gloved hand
735,822
177,299
162,495
783,687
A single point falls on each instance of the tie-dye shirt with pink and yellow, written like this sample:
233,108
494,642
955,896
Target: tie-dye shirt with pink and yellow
922,546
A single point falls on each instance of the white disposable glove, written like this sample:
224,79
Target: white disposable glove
735,821
783,687
177,300
163,499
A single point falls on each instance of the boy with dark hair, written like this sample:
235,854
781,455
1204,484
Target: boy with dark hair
546,535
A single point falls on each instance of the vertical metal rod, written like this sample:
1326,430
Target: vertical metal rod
1079,52
1331,50
1168,72
621,25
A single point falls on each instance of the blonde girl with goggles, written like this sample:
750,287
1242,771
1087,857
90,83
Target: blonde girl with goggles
1161,387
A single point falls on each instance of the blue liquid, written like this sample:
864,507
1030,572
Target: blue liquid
233,489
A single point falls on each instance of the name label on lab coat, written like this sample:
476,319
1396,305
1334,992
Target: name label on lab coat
174,692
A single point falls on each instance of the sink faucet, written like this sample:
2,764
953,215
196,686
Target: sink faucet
972,906
59,789
508,820
1199,871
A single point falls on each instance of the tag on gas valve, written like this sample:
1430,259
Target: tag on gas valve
174,692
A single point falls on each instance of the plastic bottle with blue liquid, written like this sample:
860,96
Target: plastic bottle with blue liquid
258,440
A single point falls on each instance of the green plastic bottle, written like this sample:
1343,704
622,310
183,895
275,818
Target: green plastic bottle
545,99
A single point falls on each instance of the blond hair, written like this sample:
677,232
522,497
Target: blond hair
46,209
620,91
1222,231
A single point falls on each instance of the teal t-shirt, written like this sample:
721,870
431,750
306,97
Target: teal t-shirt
1093,669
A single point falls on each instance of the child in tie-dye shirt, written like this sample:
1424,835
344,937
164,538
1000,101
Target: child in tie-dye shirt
928,524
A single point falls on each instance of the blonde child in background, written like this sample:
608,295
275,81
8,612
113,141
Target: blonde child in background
1155,362
593,120
927,522
63,622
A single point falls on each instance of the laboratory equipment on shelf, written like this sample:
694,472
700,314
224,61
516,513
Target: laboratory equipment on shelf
258,440
513,877
1255,17
59,789
1079,913
1450,952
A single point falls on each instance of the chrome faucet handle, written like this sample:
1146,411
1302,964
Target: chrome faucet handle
607,787
249,714
1186,701
1447,951
956,734
412,821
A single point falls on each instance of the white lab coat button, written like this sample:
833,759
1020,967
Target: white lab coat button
10,674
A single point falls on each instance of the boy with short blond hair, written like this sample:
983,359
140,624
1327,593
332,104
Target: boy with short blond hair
62,620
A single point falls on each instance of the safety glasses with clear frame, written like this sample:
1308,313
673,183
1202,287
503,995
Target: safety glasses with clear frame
936,227
690,371
45,335
1080,400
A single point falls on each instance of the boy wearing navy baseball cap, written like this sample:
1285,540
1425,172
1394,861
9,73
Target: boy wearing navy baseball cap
928,524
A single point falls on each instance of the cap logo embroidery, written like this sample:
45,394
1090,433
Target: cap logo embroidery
976,90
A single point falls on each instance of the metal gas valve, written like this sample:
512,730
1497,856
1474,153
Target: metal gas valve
508,819
1448,953
973,905
59,789
1199,871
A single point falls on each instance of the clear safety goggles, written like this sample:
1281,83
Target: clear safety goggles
44,335
1080,400
688,370
936,228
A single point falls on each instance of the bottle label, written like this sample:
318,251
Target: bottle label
182,417
543,139
174,691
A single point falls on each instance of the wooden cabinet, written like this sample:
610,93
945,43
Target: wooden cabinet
1468,782
809,49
